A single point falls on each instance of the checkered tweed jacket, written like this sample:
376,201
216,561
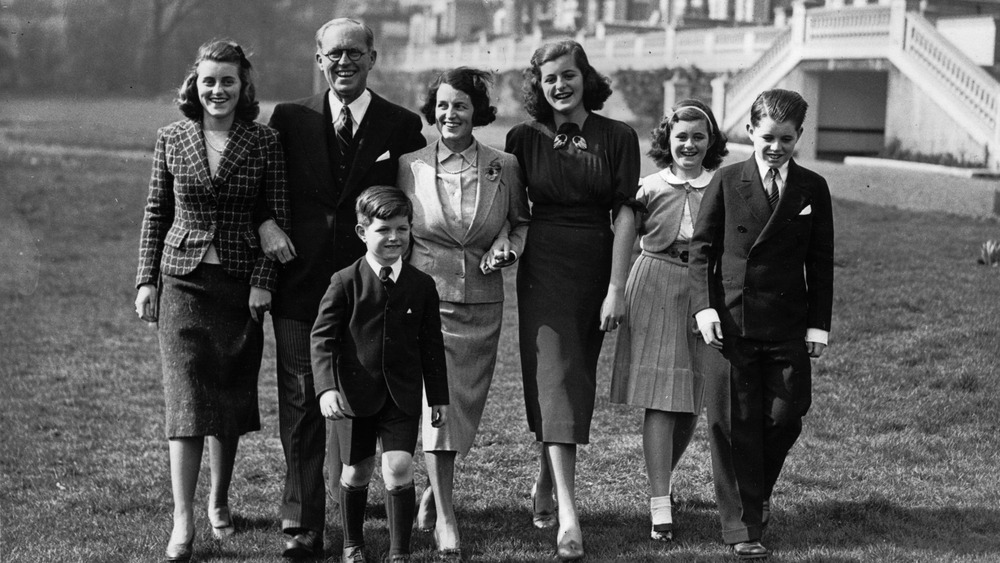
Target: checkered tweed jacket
187,209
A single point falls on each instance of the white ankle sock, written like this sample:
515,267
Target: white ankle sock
659,509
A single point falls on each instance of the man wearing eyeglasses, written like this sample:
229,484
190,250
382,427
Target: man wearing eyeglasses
336,144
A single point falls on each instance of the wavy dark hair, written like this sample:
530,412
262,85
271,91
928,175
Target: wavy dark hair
688,110
779,105
220,51
596,86
472,81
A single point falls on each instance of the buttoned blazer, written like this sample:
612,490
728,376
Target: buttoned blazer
372,344
323,216
769,276
187,209
442,248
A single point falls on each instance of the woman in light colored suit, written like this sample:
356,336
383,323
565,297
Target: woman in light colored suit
470,217
203,277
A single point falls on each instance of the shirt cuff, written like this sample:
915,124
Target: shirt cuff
707,316
817,335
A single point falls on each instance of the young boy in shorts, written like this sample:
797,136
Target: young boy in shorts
376,344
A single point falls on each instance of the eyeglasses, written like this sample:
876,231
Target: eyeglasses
352,54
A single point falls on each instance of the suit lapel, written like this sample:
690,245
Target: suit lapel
240,141
751,189
310,128
794,197
424,170
489,186
372,137
194,153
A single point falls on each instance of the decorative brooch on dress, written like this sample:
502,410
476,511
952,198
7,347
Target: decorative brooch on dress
562,139
493,170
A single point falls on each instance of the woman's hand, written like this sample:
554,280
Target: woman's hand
145,303
260,303
613,309
497,257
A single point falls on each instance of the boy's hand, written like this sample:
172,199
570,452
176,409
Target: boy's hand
439,415
815,349
710,329
331,405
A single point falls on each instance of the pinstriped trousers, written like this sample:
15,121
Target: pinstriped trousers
302,429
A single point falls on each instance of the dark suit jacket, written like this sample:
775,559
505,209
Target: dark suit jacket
371,344
187,209
322,212
770,277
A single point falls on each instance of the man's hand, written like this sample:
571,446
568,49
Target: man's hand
275,242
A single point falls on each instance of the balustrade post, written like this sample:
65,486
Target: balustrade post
897,23
719,98
798,23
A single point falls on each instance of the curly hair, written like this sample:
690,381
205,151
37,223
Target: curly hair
220,51
596,86
688,110
475,83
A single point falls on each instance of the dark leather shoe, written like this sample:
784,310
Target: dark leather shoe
353,554
180,551
748,550
304,544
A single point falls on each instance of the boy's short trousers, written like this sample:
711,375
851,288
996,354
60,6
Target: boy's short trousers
396,430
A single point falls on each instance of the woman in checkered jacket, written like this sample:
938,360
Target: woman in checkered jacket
203,278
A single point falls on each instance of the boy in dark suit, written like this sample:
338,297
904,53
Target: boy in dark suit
376,344
761,266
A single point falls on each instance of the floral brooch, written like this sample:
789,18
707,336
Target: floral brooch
493,170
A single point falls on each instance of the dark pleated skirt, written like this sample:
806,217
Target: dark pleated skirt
210,349
561,284
653,354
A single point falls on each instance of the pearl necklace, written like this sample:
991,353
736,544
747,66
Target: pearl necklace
225,141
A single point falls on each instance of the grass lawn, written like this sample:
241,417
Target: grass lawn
898,460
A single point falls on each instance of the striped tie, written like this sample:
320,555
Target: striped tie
344,129
385,276
772,187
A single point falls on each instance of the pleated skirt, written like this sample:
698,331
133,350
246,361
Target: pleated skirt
210,349
653,354
471,338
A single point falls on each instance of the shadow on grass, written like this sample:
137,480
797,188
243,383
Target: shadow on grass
878,521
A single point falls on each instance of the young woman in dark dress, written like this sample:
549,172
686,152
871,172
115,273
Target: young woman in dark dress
582,173
203,278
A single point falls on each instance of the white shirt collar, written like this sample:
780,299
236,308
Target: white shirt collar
396,266
763,168
468,155
358,107
701,181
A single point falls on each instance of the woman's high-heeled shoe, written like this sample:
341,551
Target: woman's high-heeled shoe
180,551
542,519
569,549
227,528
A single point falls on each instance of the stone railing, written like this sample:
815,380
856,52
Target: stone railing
711,50
973,86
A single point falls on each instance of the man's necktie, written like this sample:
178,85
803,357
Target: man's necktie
385,275
772,187
345,130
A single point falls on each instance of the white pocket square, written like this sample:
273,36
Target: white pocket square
806,210
383,156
